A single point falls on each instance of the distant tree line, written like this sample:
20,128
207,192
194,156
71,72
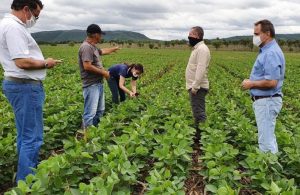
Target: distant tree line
247,44
243,44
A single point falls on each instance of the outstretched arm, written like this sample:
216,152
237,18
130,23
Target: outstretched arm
107,51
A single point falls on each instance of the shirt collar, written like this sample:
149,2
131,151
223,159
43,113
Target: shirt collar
198,44
268,45
128,71
15,18
94,46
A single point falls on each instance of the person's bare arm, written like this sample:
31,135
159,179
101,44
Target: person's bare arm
32,64
133,86
262,84
122,86
87,66
107,51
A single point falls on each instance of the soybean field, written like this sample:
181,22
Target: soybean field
144,145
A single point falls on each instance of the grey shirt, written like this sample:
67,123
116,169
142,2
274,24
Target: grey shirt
89,53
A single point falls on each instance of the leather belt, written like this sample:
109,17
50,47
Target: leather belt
254,98
22,80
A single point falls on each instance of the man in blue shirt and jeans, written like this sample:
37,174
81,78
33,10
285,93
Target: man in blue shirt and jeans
265,84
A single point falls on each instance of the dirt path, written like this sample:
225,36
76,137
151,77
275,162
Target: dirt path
194,185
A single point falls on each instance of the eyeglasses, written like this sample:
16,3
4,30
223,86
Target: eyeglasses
35,17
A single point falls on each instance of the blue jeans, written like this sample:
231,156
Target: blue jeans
94,104
113,84
266,111
27,101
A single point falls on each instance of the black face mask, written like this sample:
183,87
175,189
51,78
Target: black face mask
194,41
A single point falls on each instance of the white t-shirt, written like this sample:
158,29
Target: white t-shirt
16,42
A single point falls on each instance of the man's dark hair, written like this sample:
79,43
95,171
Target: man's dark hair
199,31
32,4
266,26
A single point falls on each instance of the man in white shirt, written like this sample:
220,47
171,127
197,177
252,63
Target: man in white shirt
24,70
197,76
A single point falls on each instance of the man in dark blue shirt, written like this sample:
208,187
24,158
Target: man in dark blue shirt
265,84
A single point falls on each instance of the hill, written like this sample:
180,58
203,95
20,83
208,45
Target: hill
80,35
285,37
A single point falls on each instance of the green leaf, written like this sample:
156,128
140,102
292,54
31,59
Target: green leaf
266,186
274,188
75,191
211,188
86,155
213,172
22,186
36,185
67,144
222,191
211,164
29,179
141,150
167,174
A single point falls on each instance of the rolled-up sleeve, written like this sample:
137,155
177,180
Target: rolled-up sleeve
17,43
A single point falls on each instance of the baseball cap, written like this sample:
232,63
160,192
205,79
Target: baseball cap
93,29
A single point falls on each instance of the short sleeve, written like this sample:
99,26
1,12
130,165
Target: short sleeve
17,43
87,54
272,67
123,72
100,52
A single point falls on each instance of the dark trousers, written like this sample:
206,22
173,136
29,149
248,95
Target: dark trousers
113,84
198,105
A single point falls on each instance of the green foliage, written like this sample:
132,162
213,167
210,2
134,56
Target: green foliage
147,140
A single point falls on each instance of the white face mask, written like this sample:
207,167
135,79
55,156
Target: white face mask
256,40
135,75
31,22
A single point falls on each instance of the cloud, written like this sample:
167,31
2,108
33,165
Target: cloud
168,19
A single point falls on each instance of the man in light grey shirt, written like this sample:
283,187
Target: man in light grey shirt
196,76
92,73
24,70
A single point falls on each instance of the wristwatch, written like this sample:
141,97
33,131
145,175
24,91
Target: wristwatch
46,65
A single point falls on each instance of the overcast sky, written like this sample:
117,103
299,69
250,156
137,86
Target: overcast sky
167,20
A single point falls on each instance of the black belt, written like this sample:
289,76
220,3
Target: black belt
254,98
23,81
